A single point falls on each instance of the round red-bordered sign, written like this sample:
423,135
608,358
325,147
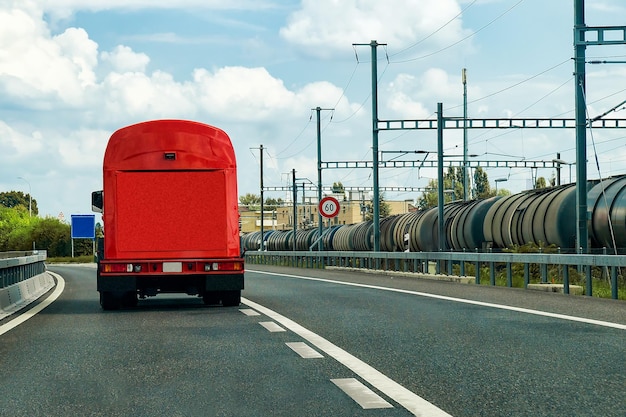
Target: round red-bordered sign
329,207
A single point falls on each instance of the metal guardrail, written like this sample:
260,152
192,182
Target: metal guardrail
16,267
536,267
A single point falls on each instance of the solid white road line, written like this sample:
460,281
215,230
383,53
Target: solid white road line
412,402
21,318
364,396
460,300
305,351
271,326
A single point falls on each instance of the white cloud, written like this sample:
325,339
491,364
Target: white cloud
124,59
410,96
329,25
134,96
62,93
63,9
82,148
243,93
70,98
35,64
15,143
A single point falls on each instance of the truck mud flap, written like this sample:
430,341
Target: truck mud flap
117,283
224,282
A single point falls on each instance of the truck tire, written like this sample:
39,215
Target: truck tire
129,299
231,298
110,300
211,298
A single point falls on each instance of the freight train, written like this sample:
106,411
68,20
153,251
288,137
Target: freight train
542,217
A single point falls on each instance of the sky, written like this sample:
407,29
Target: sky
74,71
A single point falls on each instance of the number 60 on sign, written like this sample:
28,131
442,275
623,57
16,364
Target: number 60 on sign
329,207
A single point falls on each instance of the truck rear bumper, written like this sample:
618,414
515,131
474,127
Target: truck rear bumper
188,283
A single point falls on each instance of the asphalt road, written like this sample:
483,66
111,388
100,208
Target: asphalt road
433,348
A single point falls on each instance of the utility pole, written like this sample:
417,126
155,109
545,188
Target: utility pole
260,148
295,205
320,225
581,126
465,174
262,201
558,169
376,203
440,184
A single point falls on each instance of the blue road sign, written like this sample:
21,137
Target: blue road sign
83,226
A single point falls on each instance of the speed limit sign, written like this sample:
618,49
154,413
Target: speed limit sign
329,207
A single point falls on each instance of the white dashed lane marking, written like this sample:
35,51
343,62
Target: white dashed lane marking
305,351
407,399
364,396
271,326
249,312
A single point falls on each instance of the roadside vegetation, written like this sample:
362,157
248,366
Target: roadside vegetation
554,274
21,229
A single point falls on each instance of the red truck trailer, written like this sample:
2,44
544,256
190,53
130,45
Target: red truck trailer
170,211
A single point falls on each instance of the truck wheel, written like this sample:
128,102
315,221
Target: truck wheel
211,298
129,299
109,300
231,298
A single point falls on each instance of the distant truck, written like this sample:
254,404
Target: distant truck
169,206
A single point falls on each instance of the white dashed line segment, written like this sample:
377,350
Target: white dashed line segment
305,351
407,399
364,396
271,326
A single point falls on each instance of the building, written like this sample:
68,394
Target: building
350,212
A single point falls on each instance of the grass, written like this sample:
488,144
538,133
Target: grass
601,286
86,259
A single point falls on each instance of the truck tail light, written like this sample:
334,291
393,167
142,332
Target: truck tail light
121,268
213,266
223,266
117,268
232,266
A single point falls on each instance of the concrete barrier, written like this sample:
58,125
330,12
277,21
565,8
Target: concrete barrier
17,296
431,276
573,289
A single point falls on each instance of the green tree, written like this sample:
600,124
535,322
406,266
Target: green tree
20,232
482,189
540,183
429,197
453,189
252,201
503,192
99,230
52,235
13,199
338,188
11,219
384,209
272,204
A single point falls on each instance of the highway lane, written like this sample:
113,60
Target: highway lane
467,359
173,356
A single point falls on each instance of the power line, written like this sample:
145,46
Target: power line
436,31
462,39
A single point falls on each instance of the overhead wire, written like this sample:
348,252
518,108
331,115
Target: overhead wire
610,222
464,38
297,137
437,30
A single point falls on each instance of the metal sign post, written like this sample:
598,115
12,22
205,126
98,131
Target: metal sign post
83,226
